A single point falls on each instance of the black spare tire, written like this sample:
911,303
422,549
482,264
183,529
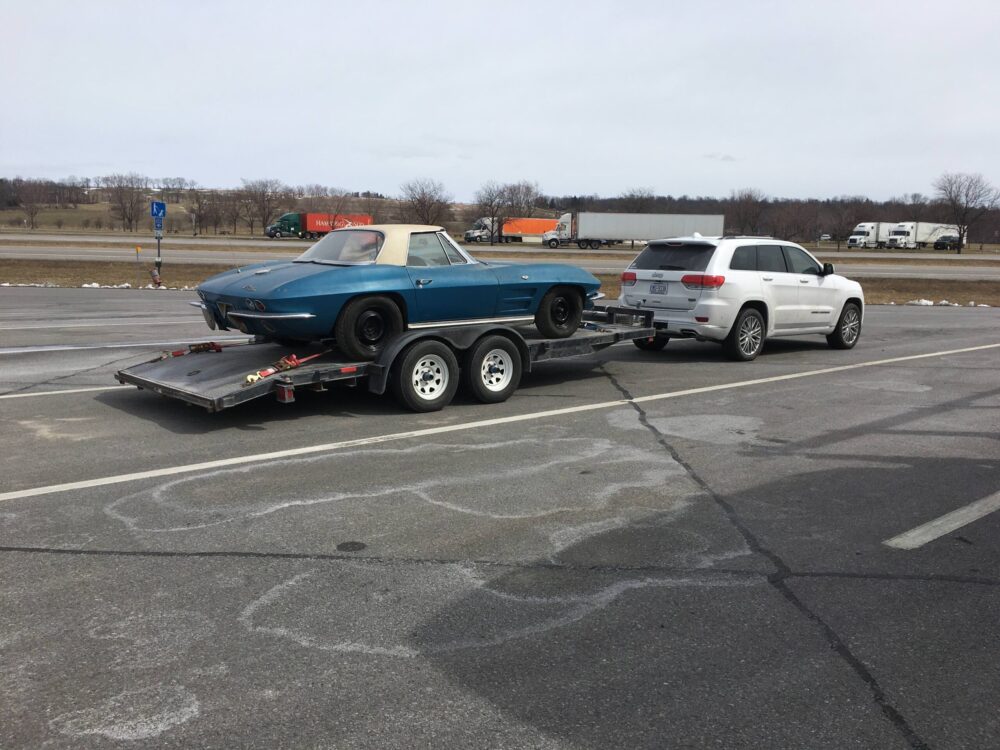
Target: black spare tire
366,325
560,312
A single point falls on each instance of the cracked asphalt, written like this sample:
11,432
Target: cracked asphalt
706,569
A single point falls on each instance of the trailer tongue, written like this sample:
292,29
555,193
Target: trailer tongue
218,377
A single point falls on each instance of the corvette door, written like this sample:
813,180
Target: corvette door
446,286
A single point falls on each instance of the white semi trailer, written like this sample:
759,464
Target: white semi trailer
871,234
590,229
913,234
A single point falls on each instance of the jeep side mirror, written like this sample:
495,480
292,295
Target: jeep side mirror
828,269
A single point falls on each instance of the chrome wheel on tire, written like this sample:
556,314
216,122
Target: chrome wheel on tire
850,326
751,335
497,370
430,377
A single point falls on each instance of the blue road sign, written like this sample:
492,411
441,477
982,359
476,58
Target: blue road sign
157,209
157,222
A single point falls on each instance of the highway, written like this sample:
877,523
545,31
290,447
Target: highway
896,265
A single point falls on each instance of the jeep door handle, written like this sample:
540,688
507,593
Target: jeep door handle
803,281
768,278
424,282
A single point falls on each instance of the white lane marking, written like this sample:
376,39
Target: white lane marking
946,524
65,392
45,348
461,427
142,323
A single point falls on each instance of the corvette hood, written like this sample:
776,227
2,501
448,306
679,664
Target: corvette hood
275,278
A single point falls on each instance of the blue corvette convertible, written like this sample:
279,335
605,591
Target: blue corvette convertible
364,285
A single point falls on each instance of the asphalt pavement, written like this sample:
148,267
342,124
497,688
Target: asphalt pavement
638,549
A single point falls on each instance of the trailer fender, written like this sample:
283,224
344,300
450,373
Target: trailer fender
459,338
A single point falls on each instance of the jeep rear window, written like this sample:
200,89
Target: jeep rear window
674,257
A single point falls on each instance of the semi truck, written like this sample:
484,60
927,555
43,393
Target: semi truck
514,230
590,229
913,234
871,234
311,226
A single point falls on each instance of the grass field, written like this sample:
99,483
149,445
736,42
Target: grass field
77,273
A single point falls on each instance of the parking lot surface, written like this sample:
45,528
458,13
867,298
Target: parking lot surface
639,549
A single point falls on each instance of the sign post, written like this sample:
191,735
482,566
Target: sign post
158,210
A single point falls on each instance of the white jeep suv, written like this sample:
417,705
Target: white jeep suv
739,291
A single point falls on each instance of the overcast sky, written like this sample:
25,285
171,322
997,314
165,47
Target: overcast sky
796,98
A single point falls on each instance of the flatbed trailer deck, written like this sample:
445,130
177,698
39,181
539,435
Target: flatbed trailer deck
217,377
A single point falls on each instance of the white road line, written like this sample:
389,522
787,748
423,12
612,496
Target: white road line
45,348
65,392
946,524
137,324
461,427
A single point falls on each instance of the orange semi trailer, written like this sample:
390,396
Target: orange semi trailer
514,230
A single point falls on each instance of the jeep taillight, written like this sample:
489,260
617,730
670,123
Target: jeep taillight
702,281
628,278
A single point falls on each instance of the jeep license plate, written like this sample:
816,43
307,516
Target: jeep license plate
657,288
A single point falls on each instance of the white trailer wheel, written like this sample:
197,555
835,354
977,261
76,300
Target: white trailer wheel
424,376
491,370
429,377
496,370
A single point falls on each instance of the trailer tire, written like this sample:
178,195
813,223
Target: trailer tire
424,376
595,244
492,369
366,325
559,313
553,244
582,244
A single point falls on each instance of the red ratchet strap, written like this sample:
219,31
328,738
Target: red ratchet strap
289,362
208,346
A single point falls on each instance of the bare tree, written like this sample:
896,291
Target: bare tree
128,194
426,201
844,214
794,220
491,199
199,205
231,207
338,201
31,195
498,203
746,210
312,197
265,199
371,204
519,200
967,198
637,200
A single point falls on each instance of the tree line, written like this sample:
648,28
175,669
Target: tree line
967,200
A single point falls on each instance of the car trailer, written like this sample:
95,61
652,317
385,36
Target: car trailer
422,367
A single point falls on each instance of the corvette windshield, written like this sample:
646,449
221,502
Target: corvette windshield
345,247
